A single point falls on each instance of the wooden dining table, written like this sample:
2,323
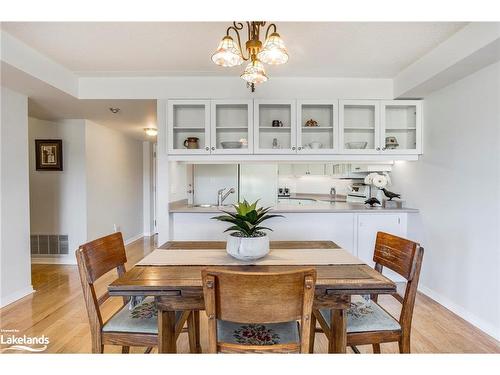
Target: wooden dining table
179,287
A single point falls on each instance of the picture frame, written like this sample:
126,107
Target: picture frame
49,154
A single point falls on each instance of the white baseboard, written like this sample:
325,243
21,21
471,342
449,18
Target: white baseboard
128,241
13,297
486,327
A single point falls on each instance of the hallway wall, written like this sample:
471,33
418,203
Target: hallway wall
101,186
114,183
15,270
58,199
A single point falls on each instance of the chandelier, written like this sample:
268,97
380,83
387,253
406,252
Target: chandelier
273,51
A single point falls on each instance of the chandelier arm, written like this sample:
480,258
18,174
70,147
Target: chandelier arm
271,25
235,28
249,27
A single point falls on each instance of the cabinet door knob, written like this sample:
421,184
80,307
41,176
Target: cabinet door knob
299,148
378,148
293,148
213,148
383,148
207,148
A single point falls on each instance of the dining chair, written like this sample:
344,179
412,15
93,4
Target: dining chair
368,323
258,312
129,326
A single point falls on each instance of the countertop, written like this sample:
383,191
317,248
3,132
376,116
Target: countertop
317,206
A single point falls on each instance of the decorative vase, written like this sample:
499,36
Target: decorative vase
247,248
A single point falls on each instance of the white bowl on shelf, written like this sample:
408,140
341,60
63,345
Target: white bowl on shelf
231,144
356,145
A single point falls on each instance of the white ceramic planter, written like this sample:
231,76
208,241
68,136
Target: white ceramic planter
247,248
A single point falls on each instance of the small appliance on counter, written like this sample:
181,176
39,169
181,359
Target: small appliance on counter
284,192
358,193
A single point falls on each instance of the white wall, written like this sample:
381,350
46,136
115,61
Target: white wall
209,178
456,186
114,183
15,269
58,199
233,87
259,182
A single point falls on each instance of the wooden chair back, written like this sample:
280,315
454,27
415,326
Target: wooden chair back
255,297
95,259
405,258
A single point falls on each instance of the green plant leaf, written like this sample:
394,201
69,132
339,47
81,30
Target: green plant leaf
252,216
234,228
246,218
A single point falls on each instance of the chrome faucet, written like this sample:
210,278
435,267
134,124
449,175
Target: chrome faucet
333,193
221,196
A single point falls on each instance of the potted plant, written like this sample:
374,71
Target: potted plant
247,240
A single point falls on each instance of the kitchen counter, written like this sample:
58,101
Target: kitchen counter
315,206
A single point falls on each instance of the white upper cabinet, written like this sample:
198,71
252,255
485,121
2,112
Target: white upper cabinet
289,127
317,126
401,126
274,127
188,126
359,126
231,127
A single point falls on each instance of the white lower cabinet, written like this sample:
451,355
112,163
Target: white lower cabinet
337,227
367,227
354,232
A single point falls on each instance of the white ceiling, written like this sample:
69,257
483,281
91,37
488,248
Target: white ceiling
48,103
333,49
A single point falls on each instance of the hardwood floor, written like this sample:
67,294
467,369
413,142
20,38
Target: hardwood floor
57,310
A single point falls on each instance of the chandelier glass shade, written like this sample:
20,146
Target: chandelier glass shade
254,73
230,52
274,51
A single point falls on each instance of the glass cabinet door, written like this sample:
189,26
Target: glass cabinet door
359,126
231,127
401,126
189,126
317,127
274,123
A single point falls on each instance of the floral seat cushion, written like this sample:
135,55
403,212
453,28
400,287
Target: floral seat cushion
142,318
257,334
366,317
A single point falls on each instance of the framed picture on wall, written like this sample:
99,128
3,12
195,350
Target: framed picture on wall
49,154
